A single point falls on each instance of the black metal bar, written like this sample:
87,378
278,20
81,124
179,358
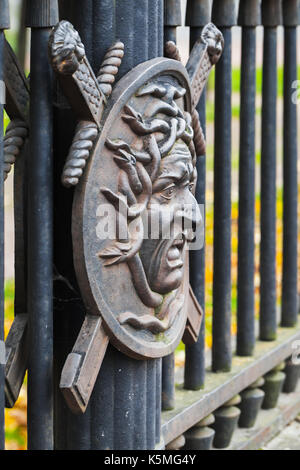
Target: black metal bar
125,404
4,24
104,19
97,27
22,35
172,19
246,221
223,15
168,382
198,15
150,405
289,304
268,321
158,365
40,17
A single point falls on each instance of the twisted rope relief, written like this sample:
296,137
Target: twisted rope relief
110,67
87,131
85,135
16,133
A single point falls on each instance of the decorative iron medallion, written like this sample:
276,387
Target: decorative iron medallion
133,162
139,179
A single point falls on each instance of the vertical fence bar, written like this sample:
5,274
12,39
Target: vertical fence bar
22,34
172,19
40,17
271,18
198,14
97,29
249,18
4,24
289,312
125,404
224,16
168,382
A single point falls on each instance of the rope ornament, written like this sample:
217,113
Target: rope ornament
110,67
85,135
16,133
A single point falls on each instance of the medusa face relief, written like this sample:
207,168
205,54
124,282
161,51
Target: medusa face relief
134,214
156,210
140,182
173,215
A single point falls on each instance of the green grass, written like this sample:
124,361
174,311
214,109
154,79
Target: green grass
12,37
16,436
9,293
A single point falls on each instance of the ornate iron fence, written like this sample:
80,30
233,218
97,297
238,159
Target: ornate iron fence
100,382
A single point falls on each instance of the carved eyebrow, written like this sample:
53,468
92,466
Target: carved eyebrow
173,176
174,171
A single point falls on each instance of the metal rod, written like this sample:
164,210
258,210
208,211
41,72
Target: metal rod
194,370
40,243
221,349
2,350
40,405
158,400
4,24
22,34
125,406
172,19
289,311
168,382
245,304
198,14
268,321
102,405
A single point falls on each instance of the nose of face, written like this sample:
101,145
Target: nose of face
189,213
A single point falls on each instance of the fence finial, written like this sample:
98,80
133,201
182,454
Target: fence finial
198,13
224,13
41,13
249,13
291,13
271,12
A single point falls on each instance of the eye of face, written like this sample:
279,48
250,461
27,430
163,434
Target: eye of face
168,192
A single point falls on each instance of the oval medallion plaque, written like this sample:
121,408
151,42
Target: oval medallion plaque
134,210
133,162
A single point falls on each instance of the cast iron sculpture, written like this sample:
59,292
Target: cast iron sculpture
133,156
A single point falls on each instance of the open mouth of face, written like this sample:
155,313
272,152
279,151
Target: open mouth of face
165,270
174,254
